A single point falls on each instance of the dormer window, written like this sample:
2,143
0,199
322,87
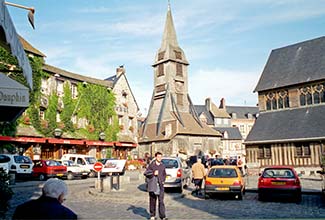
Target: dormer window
234,115
249,116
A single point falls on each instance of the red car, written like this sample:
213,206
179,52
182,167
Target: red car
279,181
44,169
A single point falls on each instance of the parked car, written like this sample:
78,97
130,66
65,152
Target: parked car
279,181
44,169
74,170
21,166
85,161
178,174
224,179
4,163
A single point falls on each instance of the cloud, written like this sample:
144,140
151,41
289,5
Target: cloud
233,85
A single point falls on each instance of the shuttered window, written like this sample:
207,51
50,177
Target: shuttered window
264,152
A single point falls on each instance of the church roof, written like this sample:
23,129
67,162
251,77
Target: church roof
299,124
299,63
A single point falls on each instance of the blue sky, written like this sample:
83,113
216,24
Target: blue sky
227,42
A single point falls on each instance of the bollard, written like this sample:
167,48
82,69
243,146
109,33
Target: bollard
107,186
118,182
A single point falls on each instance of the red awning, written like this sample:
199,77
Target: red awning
23,139
100,143
65,141
121,144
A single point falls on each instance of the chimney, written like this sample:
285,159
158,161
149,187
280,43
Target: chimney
120,70
222,103
208,104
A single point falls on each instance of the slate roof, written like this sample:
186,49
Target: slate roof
233,132
242,111
75,76
28,47
299,124
200,109
298,63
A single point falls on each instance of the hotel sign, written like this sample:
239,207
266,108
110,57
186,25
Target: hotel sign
14,98
12,39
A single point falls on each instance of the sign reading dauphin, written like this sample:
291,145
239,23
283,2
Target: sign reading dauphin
14,97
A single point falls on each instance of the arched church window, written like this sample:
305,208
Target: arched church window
305,96
283,99
271,102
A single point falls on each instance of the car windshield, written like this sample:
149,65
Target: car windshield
278,173
22,159
51,163
223,173
170,163
90,160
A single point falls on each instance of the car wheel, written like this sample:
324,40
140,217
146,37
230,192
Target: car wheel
70,176
187,182
240,196
261,197
41,177
297,197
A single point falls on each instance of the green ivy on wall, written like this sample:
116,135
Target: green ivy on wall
68,108
96,104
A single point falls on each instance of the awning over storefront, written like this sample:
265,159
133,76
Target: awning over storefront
14,98
121,144
23,139
65,141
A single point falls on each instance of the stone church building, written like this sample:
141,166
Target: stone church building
172,125
291,93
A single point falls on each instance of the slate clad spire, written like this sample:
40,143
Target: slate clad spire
169,36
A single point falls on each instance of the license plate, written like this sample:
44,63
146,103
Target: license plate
278,183
167,177
24,166
222,188
59,174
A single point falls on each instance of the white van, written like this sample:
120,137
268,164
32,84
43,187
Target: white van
21,166
85,161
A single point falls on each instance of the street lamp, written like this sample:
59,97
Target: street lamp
31,12
102,136
57,132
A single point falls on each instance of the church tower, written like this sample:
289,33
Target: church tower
171,112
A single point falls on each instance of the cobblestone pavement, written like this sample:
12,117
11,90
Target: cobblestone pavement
131,202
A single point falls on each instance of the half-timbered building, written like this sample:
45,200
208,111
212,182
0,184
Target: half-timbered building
291,94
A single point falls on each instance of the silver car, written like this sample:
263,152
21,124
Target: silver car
178,174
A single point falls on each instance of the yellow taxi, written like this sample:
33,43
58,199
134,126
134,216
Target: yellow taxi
224,179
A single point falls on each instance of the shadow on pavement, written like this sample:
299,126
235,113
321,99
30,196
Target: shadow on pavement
139,211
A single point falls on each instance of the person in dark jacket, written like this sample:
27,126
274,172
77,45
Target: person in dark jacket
156,175
48,205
